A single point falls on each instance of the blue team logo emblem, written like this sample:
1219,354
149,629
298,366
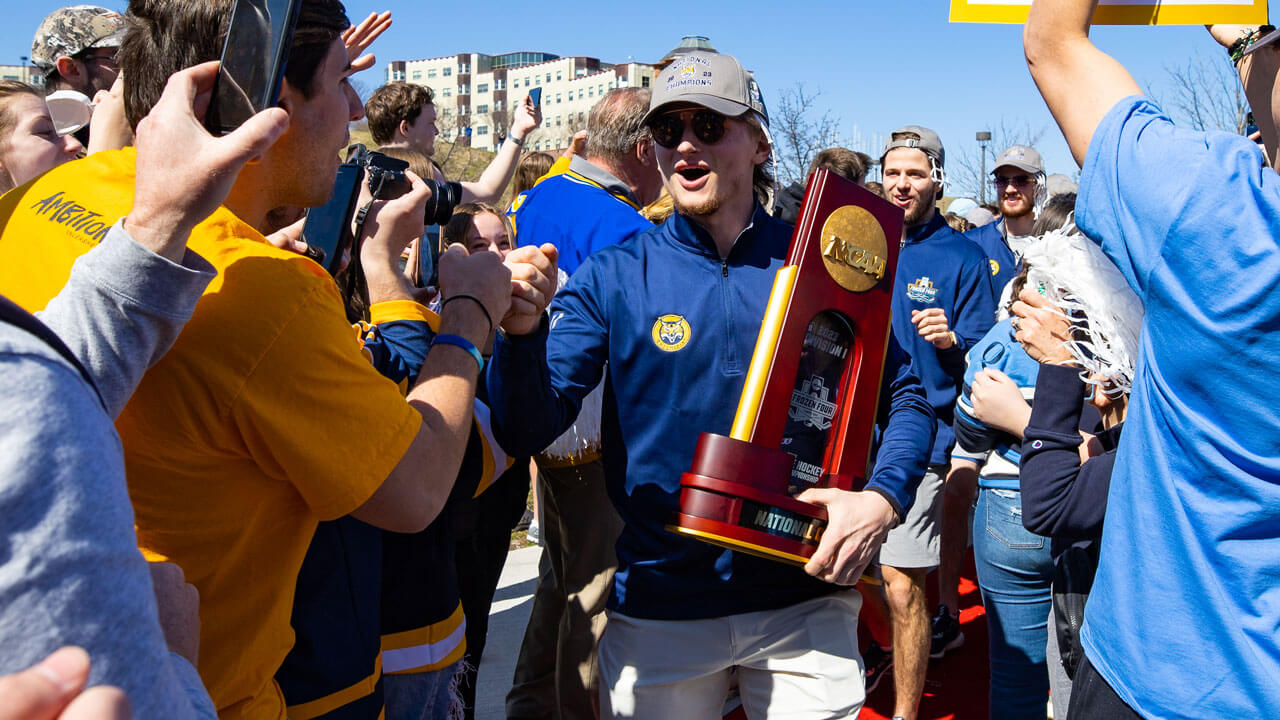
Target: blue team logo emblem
995,267
922,290
671,332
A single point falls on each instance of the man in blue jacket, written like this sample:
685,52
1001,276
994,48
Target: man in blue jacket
942,303
1020,186
674,312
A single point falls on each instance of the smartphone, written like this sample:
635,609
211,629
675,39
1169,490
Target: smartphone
327,230
429,257
536,96
251,70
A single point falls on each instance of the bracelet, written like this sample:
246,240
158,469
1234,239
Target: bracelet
476,300
518,142
465,344
1238,48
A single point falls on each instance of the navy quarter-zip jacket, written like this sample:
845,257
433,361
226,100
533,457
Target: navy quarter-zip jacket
939,267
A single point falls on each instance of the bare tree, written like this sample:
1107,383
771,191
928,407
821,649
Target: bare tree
800,132
965,166
1207,95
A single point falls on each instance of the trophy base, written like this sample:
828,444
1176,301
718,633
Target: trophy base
748,510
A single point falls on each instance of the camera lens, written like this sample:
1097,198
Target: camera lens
444,198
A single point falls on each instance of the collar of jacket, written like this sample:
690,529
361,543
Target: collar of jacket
597,175
926,230
693,236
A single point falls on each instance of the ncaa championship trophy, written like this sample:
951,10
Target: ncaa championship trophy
809,404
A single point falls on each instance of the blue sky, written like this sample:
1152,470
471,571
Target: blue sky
878,65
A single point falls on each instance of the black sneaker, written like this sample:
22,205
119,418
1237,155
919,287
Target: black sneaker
946,633
876,662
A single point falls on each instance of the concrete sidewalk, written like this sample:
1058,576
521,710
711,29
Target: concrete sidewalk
507,620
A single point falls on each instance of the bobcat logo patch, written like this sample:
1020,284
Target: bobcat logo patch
671,332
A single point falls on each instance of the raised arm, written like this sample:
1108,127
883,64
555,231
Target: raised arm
1079,82
495,178
1258,72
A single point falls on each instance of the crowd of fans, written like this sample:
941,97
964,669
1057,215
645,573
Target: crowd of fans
322,472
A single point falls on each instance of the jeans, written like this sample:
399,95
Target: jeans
424,696
1015,570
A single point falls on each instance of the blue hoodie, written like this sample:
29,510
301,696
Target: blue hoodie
677,325
939,268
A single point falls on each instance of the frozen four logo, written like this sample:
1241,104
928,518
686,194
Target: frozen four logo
811,404
922,290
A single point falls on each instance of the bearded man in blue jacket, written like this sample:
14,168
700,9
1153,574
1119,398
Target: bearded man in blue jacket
674,312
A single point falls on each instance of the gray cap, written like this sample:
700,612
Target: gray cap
980,216
1059,184
712,80
929,143
72,30
1021,157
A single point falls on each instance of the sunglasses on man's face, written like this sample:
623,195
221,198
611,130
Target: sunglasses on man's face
1002,181
668,130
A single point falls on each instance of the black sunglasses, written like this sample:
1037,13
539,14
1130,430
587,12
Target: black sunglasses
668,129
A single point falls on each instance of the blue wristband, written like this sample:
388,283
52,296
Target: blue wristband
465,344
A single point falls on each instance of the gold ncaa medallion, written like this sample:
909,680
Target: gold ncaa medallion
854,249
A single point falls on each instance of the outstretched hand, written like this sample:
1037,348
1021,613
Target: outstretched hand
184,173
359,37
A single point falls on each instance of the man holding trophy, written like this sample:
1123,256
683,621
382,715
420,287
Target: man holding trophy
675,312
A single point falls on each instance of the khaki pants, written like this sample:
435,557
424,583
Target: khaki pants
799,663
556,674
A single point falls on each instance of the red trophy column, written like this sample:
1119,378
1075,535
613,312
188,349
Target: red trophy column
808,407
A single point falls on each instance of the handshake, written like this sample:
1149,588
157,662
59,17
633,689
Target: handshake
514,292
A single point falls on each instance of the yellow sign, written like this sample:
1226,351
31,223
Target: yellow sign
1123,12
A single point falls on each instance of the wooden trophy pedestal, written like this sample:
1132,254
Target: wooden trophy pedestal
735,496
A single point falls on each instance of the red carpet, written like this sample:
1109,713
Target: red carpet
956,686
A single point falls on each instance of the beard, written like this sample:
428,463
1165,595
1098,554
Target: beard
1023,208
917,213
699,208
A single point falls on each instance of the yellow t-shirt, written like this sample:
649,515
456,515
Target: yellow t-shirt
263,419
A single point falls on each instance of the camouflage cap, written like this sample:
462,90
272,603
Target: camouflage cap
71,30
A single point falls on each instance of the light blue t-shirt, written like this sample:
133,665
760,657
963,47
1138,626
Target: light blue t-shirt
1184,618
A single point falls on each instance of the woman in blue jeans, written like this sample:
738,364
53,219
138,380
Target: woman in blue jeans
1015,568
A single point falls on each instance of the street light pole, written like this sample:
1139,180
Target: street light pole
983,138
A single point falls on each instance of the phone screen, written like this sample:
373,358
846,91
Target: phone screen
326,229
253,59
428,274
536,96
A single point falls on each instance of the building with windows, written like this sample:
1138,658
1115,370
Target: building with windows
22,73
477,92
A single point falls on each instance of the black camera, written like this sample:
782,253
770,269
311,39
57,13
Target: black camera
327,231
387,181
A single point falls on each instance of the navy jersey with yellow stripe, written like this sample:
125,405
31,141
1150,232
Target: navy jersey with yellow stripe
335,668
